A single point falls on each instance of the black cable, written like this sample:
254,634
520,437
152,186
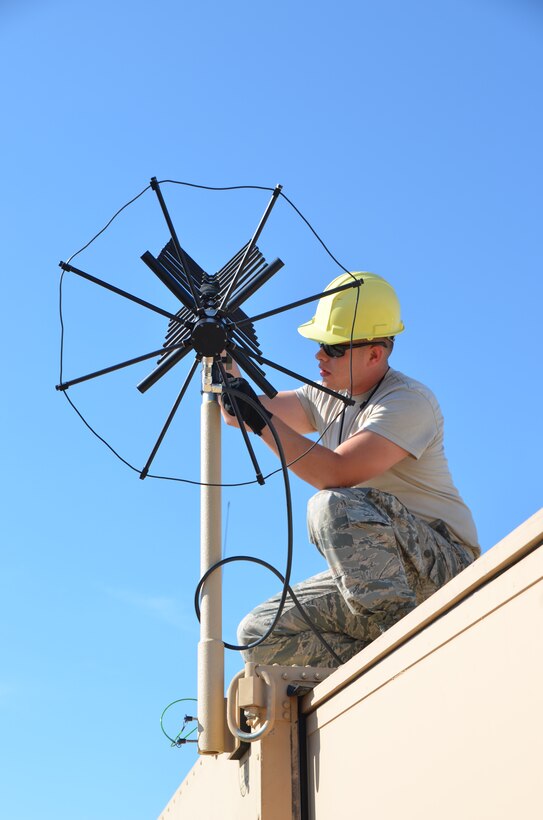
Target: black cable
299,606
309,449
217,188
98,436
244,483
262,188
288,499
106,226
61,319
192,482
351,377
314,232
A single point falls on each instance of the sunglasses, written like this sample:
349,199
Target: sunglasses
337,351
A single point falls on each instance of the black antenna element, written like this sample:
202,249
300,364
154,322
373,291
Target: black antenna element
179,250
210,320
251,244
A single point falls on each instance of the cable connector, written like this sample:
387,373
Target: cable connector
210,375
180,739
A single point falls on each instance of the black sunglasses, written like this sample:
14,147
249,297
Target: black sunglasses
337,351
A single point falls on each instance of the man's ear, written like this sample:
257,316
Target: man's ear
377,354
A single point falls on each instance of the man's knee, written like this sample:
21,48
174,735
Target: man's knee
324,509
339,509
250,629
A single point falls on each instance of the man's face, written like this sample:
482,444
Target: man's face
337,373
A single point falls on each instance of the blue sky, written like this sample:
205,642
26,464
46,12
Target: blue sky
410,135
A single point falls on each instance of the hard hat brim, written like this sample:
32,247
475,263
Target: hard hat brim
317,334
310,330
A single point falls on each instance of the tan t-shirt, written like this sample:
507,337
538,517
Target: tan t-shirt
406,412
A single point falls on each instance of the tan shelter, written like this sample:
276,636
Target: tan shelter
441,717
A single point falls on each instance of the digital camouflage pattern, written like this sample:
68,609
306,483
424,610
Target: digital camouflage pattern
382,560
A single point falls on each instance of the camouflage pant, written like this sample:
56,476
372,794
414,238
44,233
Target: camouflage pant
382,560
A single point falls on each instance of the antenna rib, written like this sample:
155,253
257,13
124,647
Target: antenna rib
258,472
182,348
179,250
250,246
357,283
262,360
169,420
65,266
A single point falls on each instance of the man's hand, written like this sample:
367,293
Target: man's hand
251,416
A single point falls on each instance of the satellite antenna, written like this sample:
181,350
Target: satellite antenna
209,323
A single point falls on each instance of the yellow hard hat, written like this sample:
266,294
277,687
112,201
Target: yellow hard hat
377,311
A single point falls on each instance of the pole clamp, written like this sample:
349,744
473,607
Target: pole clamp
264,693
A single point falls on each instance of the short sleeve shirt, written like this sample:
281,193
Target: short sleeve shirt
407,413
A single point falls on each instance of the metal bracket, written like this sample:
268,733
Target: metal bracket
264,693
208,384
210,373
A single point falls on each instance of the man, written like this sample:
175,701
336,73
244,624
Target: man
387,518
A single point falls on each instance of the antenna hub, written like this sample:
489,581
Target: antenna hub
209,337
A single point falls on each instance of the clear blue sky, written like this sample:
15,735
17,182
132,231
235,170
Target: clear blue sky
410,135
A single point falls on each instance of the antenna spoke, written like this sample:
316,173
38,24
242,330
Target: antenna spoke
292,305
262,360
182,347
169,420
250,246
254,372
65,266
258,472
179,250
165,365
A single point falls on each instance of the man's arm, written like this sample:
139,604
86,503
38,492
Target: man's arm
360,458
288,407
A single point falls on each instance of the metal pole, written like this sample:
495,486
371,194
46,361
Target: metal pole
211,710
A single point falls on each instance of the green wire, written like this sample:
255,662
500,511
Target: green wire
179,736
